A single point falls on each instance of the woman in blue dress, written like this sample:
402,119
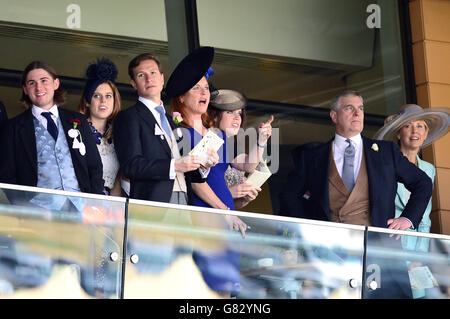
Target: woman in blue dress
227,120
189,94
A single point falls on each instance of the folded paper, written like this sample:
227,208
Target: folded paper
209,141
422,278
260,175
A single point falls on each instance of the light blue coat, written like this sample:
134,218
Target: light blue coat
412,242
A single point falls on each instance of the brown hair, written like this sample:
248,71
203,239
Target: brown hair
83,109
59,96
142,57
177,106
215,116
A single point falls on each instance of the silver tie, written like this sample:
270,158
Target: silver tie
164,123
348,169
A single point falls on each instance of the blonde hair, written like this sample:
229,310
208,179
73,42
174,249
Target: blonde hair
397,133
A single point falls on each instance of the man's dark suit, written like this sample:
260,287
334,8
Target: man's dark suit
18,163
3,115
144,157
292,203
385,168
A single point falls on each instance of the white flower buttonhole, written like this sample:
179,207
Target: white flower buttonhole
74,133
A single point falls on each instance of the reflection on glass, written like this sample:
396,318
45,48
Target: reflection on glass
395,271
47,253
193,254
305,52
165,241
293,260
178,251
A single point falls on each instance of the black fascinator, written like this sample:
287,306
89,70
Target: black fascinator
98,73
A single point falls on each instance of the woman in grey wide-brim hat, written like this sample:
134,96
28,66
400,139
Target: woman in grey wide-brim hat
413,128
227,113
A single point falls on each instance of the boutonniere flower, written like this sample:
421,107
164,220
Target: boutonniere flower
375,147
75,122
76,135
177,118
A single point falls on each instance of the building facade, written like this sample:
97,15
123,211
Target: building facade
288,57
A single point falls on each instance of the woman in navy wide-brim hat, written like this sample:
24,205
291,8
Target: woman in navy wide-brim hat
189,94
188,89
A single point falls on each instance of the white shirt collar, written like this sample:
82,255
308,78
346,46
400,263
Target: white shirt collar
37,111
340,141
149,103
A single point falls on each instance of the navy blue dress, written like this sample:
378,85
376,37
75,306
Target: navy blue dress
216,176
220,270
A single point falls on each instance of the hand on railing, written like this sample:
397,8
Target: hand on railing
235,223
400,223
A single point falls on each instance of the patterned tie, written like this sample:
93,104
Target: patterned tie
348,170
51,126
164,123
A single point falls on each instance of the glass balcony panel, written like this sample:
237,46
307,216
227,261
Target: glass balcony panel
174,252
56,244
404,264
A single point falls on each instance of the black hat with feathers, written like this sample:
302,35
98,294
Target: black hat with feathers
97,73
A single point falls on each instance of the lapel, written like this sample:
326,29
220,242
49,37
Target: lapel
148,117
28,137
77,158
335,179
401,190
176,129
401,193
322,171
374,165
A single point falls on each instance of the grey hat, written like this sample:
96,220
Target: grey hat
228,100
436,118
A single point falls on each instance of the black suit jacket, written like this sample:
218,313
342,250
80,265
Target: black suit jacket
18,163
385,168
3,115
144,157
292,203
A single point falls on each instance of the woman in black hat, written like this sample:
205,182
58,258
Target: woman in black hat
189,94
100,103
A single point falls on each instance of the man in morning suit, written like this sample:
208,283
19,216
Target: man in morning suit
3,115
40,150
146,142
353,179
